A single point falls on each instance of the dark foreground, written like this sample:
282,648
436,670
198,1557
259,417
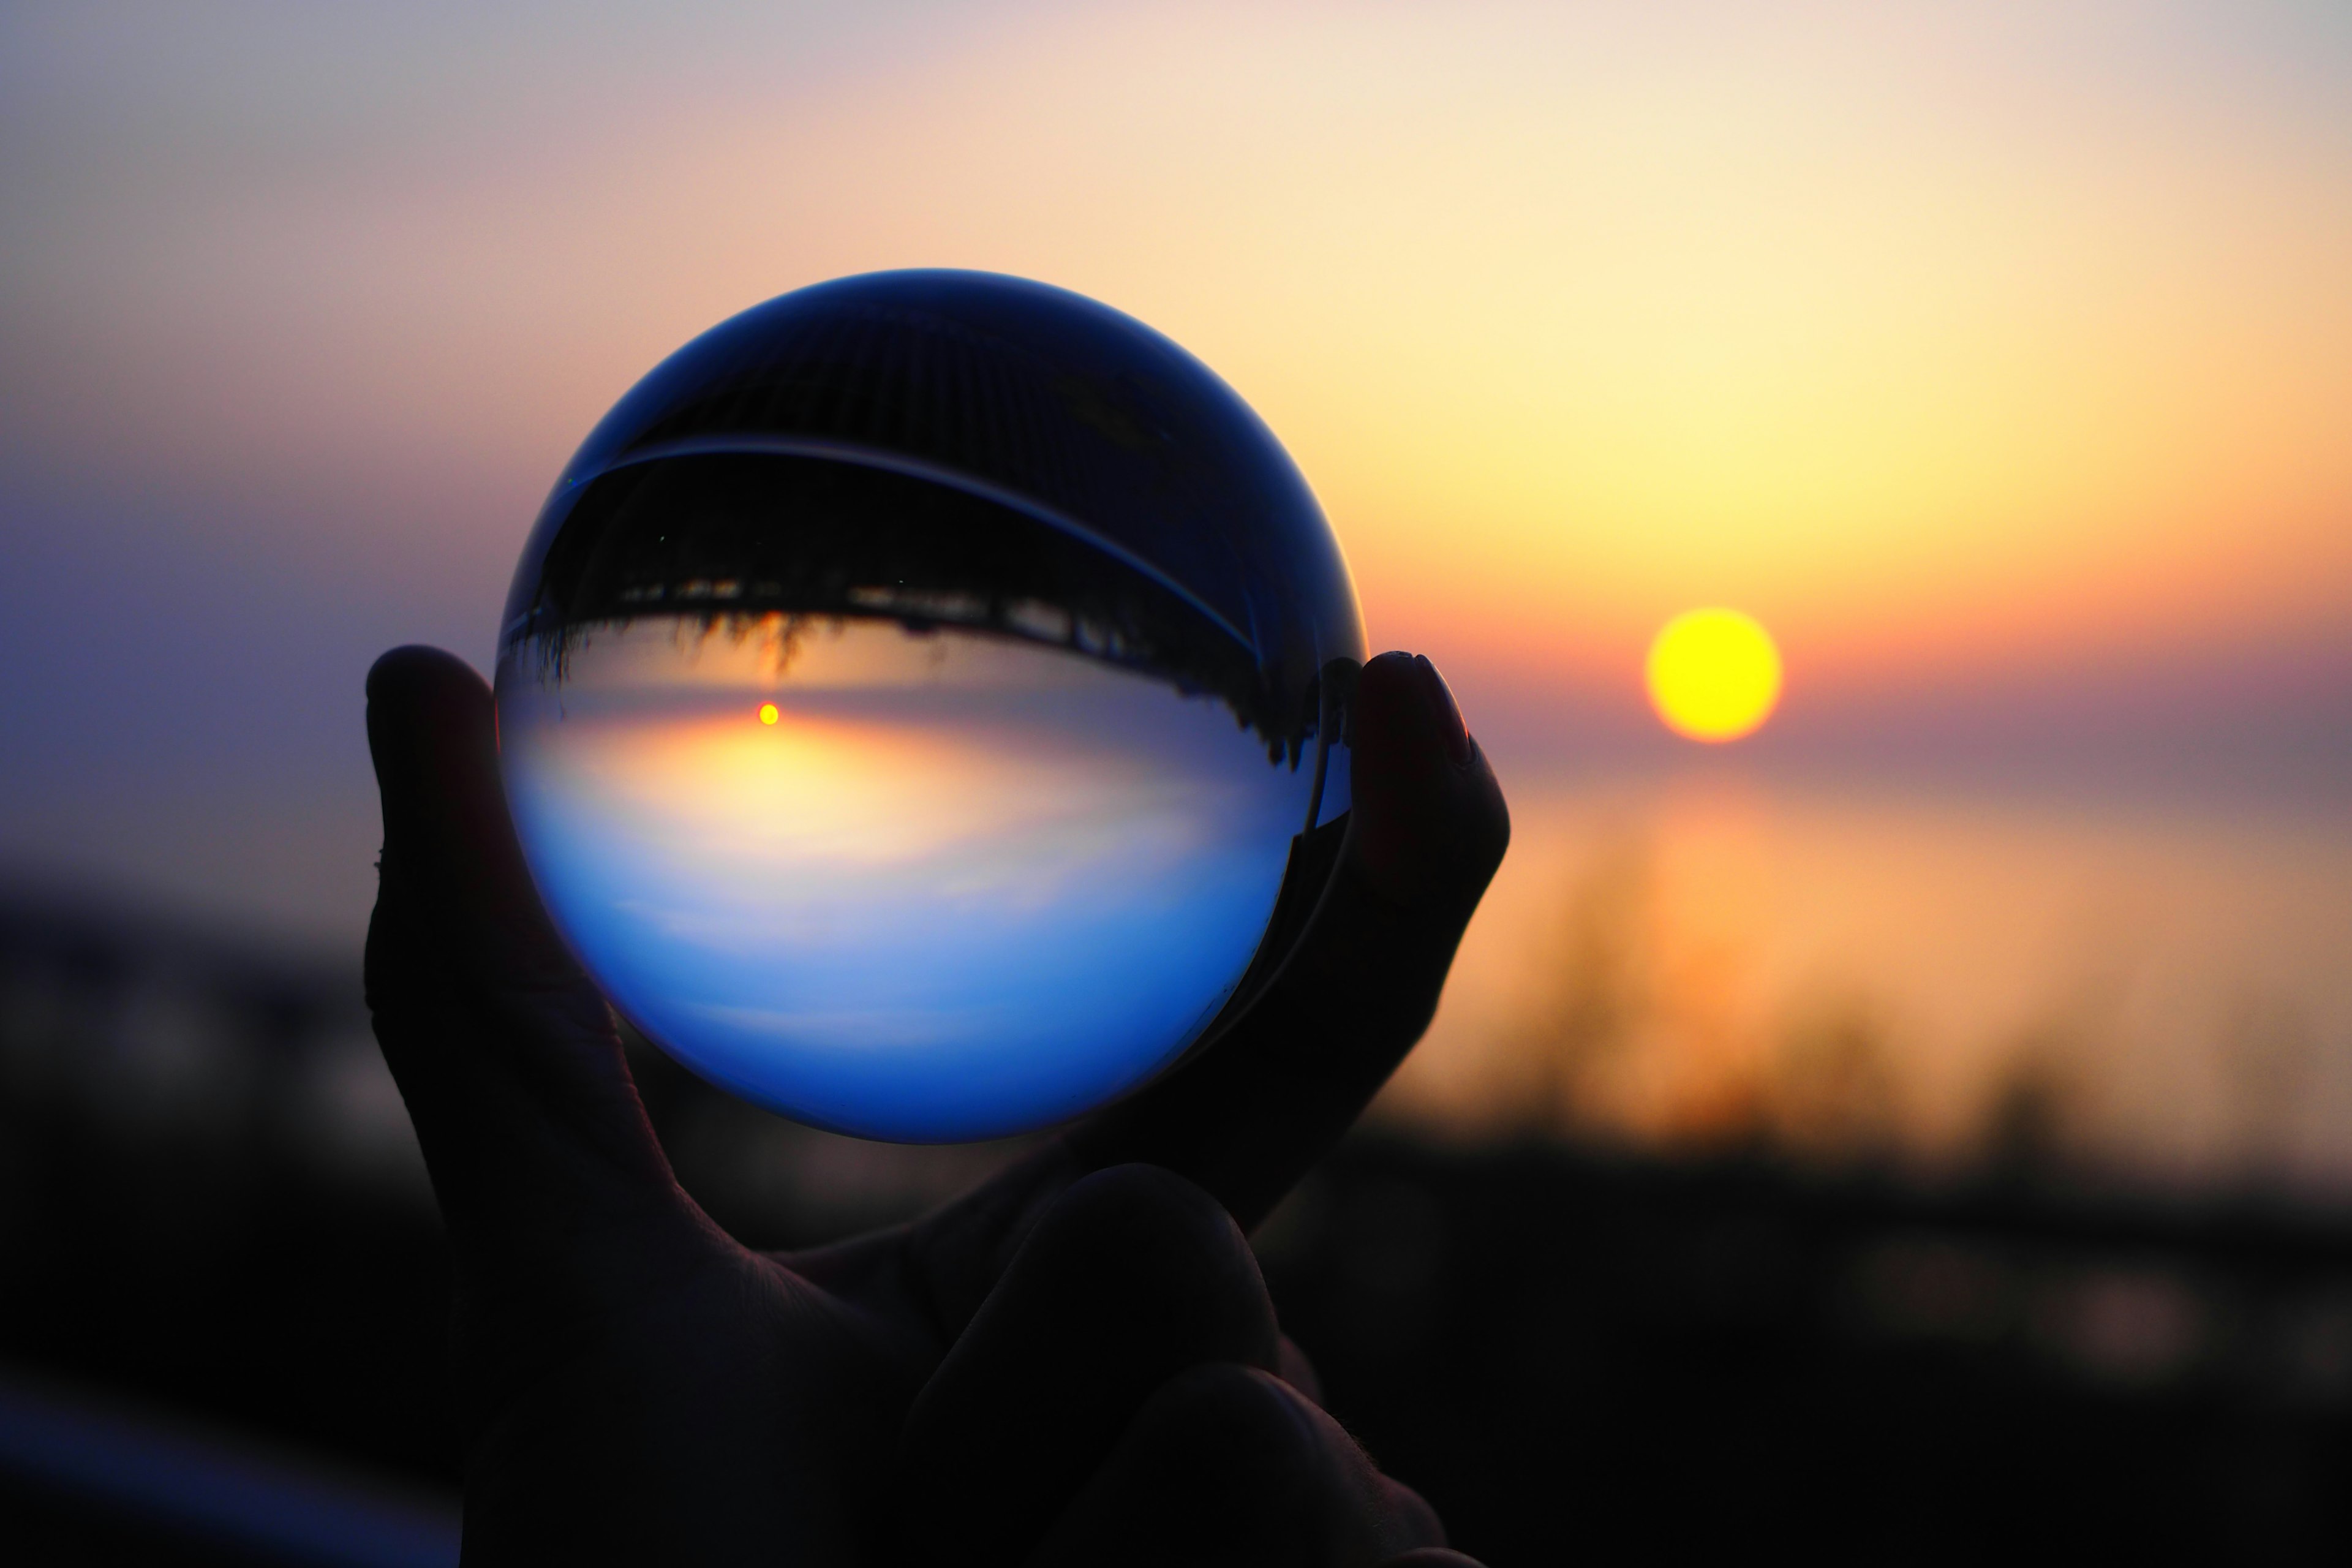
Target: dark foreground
224,1276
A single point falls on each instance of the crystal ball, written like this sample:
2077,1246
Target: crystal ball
922,704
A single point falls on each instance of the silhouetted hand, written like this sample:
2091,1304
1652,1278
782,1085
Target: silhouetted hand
1075,1363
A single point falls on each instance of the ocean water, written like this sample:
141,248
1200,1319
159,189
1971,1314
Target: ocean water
947,885
2098,987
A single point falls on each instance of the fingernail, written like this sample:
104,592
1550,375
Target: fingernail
1446,712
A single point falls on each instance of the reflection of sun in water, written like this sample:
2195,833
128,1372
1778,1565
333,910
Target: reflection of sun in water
767,712
1714,675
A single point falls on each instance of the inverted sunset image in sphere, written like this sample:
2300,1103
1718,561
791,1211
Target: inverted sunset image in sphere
1714,675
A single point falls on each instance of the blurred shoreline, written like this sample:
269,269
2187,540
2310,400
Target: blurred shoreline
1722,959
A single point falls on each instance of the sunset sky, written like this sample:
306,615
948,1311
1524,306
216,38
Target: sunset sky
1998,358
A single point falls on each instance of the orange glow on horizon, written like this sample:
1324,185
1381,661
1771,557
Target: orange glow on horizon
1941,340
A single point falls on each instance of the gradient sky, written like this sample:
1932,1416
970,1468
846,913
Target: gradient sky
1998,357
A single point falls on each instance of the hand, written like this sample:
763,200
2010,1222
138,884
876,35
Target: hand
1075,1363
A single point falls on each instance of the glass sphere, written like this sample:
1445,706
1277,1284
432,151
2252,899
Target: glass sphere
921,702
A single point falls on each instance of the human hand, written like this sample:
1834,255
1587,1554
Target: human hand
1075,1363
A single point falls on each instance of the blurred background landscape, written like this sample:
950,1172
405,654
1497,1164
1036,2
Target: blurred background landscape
1923,1126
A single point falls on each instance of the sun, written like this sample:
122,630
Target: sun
1714,675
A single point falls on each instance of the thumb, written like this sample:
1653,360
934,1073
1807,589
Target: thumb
506,1055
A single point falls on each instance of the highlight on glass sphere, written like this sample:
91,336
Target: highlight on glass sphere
922,704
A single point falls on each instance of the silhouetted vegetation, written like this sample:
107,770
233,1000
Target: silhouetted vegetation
1568,1350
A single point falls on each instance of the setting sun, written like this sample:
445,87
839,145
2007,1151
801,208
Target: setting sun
767,712
1714,675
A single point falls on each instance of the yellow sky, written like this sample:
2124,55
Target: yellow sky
1930,335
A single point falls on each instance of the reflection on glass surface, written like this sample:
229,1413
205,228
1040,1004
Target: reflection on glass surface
922,702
